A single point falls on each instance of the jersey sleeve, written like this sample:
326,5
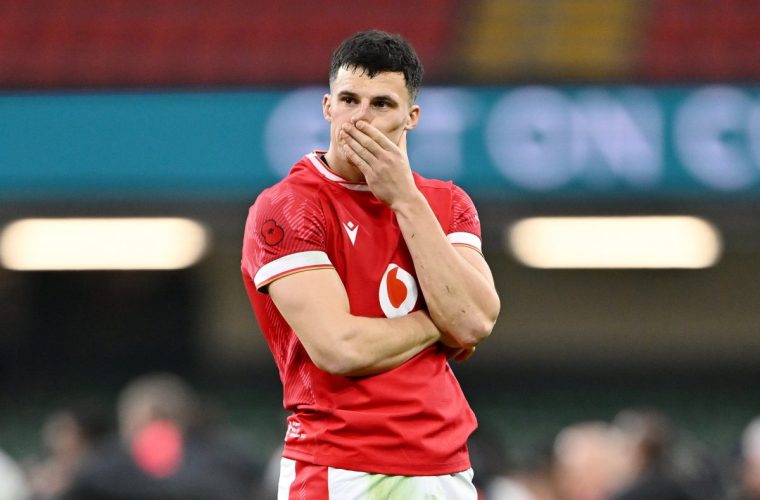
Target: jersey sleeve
465,223
285,233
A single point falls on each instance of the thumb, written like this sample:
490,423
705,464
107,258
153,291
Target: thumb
464,354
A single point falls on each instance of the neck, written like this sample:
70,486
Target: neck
338,164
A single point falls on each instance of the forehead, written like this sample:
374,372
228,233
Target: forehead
357,81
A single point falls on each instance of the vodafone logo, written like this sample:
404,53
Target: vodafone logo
398,292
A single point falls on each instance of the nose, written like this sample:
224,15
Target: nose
362,113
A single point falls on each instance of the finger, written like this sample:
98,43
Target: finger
358,148
373,133
357,160
362,138
464,355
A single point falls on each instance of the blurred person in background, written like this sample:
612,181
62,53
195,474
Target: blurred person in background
501,476
645,440
69,436
529,478
749,473
365,279
13,485
164,451
586,465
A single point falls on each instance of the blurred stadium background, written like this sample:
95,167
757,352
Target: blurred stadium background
188,108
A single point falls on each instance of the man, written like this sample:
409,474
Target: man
365,277
164,450
586,463
644,443
750,461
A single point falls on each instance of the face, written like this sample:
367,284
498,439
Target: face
383,101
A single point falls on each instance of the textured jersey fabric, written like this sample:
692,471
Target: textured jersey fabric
411,420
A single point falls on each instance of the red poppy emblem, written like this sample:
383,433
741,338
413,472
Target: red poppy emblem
272,233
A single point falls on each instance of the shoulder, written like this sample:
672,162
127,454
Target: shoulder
292,206
456,194
299,183
294,195
425,183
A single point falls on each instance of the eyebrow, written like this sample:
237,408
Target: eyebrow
384,97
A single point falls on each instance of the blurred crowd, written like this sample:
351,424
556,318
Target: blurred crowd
639,455
163,445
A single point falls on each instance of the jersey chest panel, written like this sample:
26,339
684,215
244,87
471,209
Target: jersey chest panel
364,239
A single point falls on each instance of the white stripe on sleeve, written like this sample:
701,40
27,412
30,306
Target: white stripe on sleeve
290,263
464,239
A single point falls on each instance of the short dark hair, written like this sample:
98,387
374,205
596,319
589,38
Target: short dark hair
378,52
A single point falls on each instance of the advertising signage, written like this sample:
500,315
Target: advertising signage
531,141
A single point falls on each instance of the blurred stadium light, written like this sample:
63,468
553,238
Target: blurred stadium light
102,244
615,242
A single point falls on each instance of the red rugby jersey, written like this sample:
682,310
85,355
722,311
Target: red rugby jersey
411,420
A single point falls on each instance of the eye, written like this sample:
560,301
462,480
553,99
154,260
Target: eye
348,99
382,104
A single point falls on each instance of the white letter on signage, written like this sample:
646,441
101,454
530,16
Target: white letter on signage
528,138
710,137
625,132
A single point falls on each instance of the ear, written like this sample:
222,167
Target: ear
326,108
413,117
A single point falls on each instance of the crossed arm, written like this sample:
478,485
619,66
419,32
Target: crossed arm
315,305
456,281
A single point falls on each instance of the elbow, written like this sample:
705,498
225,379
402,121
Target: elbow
342,359
478,327
338,349
338,363
476,332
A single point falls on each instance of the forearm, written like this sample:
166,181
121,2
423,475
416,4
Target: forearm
459,291
461,300
374,345
316,307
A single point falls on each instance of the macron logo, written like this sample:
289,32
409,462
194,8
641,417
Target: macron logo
351,229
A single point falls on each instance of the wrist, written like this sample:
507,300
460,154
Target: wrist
426,325
408,204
